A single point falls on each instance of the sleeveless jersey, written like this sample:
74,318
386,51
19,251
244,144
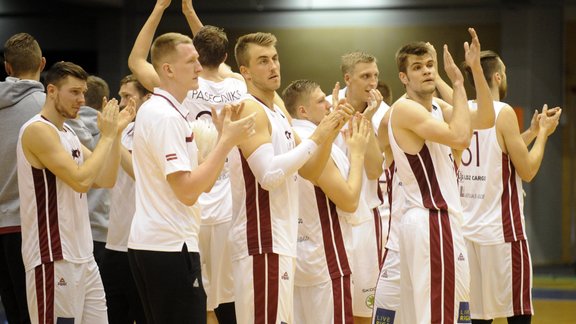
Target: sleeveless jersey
395,197
420,174
55,222
217,204
490,190
323,232
122,202
264,221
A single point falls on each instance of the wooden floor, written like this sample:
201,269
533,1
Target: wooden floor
554,300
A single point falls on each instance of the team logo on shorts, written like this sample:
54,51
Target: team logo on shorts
384,273
285,276
464,313
370,301
62,282
461,257
384,316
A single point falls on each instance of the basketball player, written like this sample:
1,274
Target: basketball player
360,73
424,138
264,187
491,174
323,269
122,300
215,89
54,173
387,301
21,97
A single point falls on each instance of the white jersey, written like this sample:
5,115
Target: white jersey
324,235
217,204
55,222
395,198
122,202
163,144
264,221
420,174
490,190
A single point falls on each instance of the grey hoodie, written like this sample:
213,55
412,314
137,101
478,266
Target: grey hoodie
19,101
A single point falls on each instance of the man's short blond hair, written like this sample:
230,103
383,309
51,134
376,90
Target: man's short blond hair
241,48
349,60
164,46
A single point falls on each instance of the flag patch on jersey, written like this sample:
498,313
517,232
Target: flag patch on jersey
172,156
464,313
384,316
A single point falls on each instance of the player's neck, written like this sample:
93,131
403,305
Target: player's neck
266,96
50,113
358,104
211,74
495,92
179,93
424,99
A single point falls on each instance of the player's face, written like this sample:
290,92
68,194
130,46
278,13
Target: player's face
264,67
68,97
420,74
128,91
362,79
185,66
318,107
503,88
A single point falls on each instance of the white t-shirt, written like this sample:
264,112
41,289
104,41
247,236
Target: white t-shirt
490,190
55,222
122,202
216,204
163,144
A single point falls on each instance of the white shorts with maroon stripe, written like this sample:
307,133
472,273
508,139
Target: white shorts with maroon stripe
501,280
64,292
387,298
435,280
366,257
328,302
264,288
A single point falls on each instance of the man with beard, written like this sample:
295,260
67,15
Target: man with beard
265,190
54,173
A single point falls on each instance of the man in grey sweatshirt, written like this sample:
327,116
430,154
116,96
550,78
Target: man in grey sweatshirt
21,97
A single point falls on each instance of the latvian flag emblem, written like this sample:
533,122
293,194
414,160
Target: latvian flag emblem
170,157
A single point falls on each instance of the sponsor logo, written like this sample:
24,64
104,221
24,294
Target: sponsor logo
285,276
370,301
384,273
461,257
303,238
384,316
369,289
196,284
464,313
62,282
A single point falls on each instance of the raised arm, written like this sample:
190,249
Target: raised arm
374,159
383,141
138,59
109,171
271,169
345,193
483,117
42,148
527,163
191,16
443,89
